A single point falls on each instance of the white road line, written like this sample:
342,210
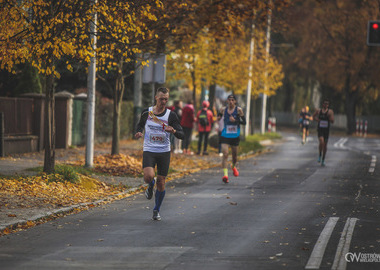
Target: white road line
340,143
337,143
373,165
319,248
340,262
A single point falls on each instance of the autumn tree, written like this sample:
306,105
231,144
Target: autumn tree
332,48
225,62
41,32
128,28
122,29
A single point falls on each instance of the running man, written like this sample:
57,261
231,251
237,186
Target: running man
158,123
233,117
324,117
306,117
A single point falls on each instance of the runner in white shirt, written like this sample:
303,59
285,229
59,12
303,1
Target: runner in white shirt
158,122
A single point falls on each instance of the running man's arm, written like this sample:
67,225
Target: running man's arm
141,124
241,117
315,115
174,122
220,113
331,116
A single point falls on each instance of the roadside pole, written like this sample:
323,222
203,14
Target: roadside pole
137,92
264,107
91,97
249,86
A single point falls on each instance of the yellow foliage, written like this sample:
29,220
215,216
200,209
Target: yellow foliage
225,62
56,192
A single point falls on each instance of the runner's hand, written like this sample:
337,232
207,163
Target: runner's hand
138,135
170,129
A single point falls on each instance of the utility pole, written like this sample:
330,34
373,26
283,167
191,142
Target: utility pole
249,86
91,83
264,108
137,91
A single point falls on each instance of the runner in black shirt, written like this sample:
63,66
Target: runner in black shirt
324,117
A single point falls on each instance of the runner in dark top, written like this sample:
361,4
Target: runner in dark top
305,122
324,117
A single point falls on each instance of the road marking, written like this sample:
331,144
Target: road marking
340,143
344,245
319,248
359,192
373,165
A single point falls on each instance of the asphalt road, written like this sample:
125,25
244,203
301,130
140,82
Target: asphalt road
284,211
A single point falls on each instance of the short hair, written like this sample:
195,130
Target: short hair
163,90
232,96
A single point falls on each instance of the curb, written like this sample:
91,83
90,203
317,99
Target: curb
65,210
69,209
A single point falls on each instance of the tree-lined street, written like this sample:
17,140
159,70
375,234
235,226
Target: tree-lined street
283,211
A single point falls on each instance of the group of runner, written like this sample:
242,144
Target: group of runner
159,123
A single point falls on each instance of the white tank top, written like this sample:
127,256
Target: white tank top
156,139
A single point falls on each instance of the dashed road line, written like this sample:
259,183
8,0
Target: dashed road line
316,256
340,262
373,165
340,143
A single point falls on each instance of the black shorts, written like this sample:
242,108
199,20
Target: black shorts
162,160
230,141
323,132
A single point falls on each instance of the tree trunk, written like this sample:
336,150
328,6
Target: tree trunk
350,105
117,102
252,112
211,94
49,161
194,88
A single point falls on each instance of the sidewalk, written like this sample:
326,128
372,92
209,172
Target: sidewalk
15,214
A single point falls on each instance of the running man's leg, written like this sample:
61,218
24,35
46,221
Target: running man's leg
160,192
234,150
303,135
324,150
149,162
162,171
149,179
148,174
225,155
225,162
321,145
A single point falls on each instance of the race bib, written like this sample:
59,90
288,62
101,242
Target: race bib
157,138
231,129
323,123
306,122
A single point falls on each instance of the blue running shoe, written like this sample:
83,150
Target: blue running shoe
323,163
319,159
